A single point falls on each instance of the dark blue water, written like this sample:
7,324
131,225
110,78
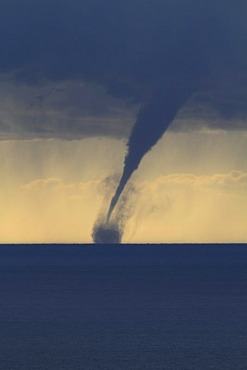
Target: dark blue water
123,307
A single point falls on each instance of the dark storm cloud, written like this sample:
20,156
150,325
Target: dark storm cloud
133,48
129,46
223,109
62,109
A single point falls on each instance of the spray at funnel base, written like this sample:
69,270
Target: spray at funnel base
107,234
112,230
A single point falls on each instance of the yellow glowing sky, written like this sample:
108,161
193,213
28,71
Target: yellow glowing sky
69,101
192,187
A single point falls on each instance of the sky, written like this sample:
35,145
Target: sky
153,91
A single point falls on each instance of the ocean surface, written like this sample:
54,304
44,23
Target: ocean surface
143,307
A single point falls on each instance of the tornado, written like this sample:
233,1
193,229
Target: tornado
152,121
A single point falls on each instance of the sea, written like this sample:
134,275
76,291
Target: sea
117,307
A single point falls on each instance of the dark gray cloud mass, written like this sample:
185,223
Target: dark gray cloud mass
132,47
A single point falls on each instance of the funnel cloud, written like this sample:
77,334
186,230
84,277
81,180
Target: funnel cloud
152,121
